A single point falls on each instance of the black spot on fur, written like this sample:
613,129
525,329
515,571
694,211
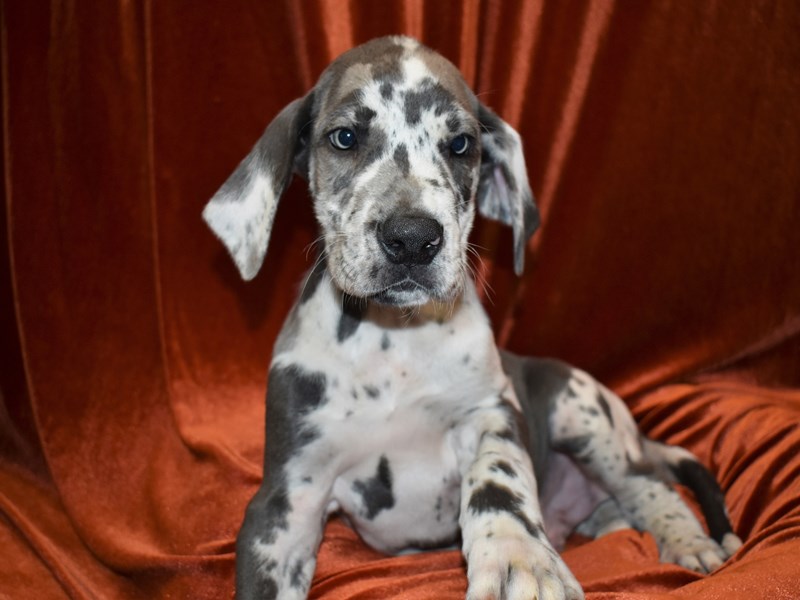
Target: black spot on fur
429,96
387,90
352,312
492,497
601,400
642,467
386,67
375,142
453,123
517,430
295,388
364,116
267,588
506,434
292,393
573,446
340,183
312,281
504,467
401,158
372,391
386,343
376,492
298,581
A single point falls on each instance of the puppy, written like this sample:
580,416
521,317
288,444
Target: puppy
388,400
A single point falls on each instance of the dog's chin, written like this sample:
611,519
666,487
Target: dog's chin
402,298
410,294
405,294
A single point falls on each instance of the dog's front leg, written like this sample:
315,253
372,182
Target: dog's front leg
278,542
276,559
508,554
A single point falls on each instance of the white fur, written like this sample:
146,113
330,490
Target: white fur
243,224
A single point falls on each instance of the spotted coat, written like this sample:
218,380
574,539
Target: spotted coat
388,400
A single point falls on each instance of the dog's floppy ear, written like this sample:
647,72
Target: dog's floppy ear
241,213
503,192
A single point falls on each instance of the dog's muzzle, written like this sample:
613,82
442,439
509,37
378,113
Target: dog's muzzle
409,243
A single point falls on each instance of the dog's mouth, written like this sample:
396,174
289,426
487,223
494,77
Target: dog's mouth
407,292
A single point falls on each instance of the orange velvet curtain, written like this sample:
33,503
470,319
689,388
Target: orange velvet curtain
663,145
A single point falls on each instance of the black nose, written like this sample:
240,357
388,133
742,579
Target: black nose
410,240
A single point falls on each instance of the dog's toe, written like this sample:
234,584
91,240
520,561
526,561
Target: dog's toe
700,553
730,544
704,562
519,569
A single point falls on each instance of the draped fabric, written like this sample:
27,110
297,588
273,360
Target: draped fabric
663,145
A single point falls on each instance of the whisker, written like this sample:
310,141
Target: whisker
312,245
322,256
489,292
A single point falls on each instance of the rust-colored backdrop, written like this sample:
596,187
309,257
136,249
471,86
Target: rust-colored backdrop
663,144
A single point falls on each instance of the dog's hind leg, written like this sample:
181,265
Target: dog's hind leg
591,425
681,466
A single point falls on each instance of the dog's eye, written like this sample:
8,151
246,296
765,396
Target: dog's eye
343,138
460,144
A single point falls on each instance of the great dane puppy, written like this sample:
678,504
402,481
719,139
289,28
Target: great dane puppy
388,400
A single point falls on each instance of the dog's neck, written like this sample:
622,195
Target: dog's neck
412,316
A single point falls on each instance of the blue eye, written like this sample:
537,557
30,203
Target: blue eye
460,144
343,138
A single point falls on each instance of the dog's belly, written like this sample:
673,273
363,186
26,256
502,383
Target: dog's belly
567,498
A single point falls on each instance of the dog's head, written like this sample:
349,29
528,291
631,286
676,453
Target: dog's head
397,152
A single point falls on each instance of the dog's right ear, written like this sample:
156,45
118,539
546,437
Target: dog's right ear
241,213
503,191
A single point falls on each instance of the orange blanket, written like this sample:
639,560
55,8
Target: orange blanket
663,145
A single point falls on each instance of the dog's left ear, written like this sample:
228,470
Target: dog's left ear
503,192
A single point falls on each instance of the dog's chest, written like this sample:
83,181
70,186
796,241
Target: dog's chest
396,397
397,431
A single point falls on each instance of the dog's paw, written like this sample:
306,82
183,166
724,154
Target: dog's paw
518,569
700,553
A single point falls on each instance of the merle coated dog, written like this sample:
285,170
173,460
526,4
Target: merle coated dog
388,400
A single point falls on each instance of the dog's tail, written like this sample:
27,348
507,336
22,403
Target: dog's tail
681,466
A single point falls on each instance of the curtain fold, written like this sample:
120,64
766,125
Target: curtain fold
663,145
